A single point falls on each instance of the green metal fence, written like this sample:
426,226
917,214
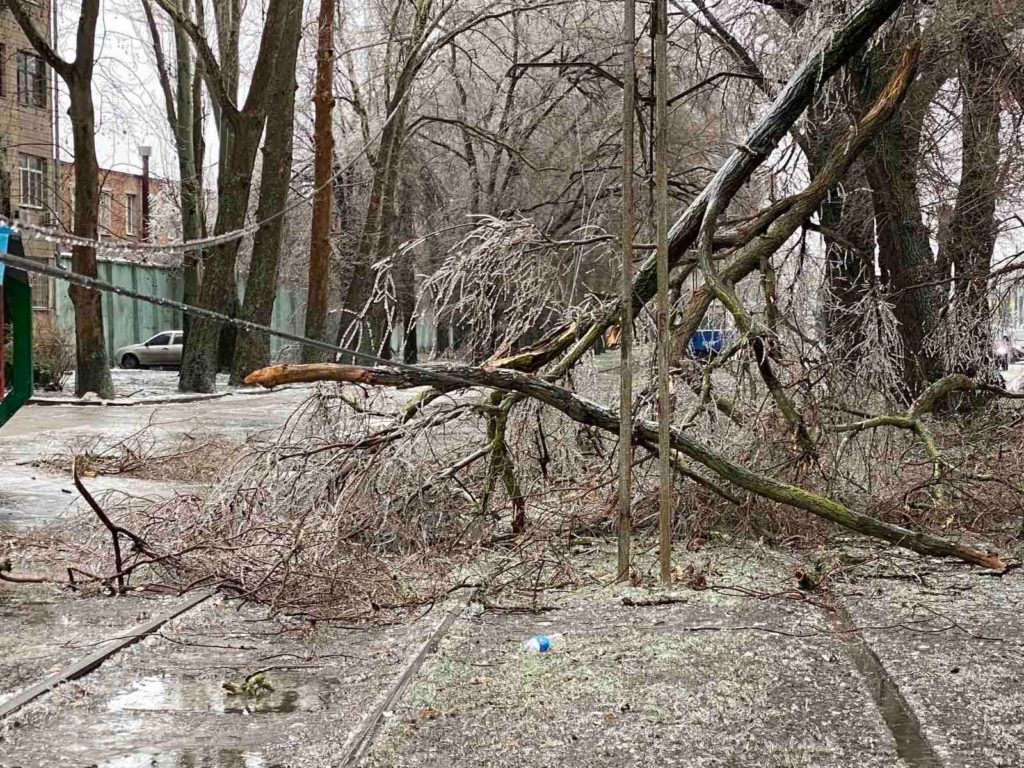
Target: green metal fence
126,321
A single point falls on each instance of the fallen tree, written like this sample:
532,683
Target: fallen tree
742,250
572,339
645,433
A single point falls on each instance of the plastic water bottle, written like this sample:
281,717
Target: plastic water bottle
543,643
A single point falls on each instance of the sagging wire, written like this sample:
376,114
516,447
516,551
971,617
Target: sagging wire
54,236
36,267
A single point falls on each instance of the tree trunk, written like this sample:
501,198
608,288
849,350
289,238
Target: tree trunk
625,485
92,369
405,290
847,229
318,287
659,24
5,180
182,105
376,236
189,121
207,349
905,256
971,237
200,361
252,350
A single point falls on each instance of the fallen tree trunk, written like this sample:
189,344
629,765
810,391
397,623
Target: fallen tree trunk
737,169
645,433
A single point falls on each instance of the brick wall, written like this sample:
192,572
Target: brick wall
120,201
26,138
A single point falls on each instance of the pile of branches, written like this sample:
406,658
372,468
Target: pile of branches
353,512
150,453
398,484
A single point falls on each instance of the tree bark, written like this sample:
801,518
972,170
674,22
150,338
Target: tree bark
200,362
252,350
318,286
92,370
971,237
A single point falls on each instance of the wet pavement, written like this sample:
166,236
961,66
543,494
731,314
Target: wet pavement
134,384
32,495
953,644
923,673
928,669
45,629
719,678
162,702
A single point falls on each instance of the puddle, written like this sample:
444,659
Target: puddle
911,744
159,693
187,758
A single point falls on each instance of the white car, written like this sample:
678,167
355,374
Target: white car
162,349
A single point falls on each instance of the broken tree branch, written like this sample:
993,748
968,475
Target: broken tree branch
645,434
116,531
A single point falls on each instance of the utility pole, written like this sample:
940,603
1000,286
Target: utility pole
145,152
626,288
660,25
317,291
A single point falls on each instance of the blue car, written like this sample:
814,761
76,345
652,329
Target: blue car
706,343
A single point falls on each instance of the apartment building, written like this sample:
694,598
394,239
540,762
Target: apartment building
26,135
120,201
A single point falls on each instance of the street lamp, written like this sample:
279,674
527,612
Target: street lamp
144,152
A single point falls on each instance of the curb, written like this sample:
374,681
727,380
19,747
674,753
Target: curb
87,664
362,739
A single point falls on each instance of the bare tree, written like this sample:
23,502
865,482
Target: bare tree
184,108
241,125
91,365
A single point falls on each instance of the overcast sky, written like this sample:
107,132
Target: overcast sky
129,102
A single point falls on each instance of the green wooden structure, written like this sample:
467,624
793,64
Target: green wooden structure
16,314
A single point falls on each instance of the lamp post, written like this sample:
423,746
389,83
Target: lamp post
144,152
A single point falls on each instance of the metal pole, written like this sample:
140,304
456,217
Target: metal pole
51,286
660,24
145,193
626,288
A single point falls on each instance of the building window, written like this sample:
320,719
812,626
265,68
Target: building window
106,205
129,213
31,80
33,181
40,285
